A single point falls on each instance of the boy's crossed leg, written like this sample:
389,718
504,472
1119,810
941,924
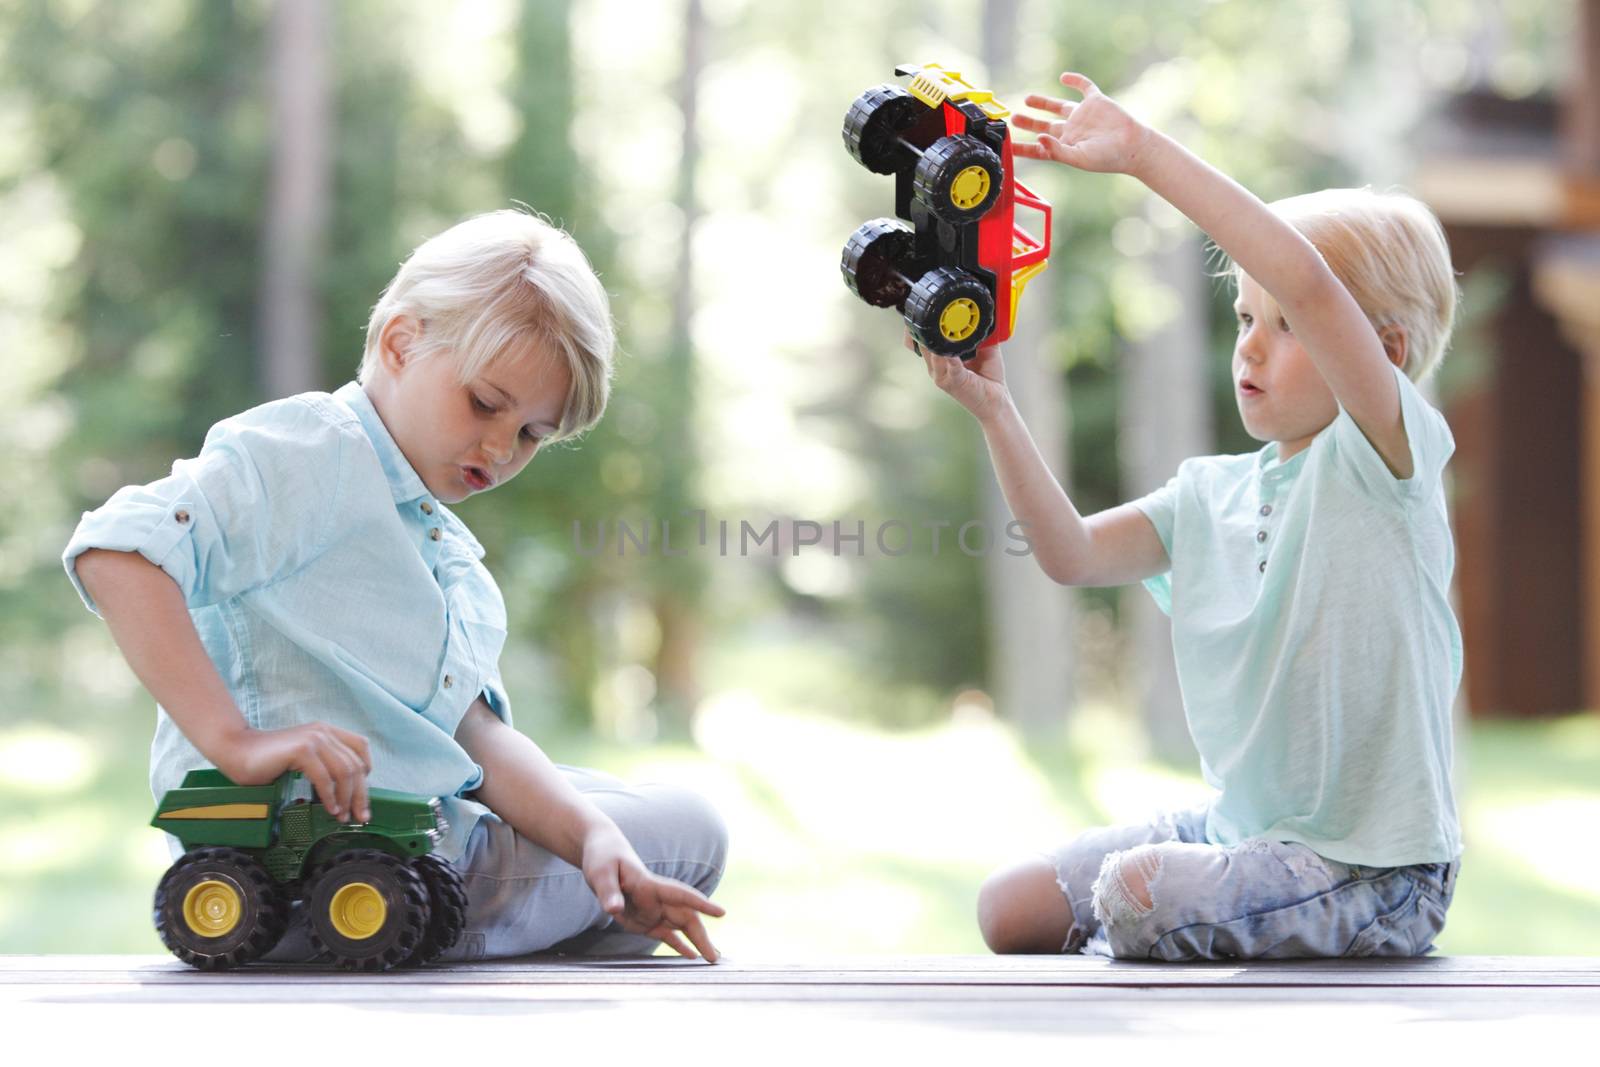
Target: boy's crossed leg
524,899
1158,891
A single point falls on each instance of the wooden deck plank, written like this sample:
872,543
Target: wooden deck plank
945,1009
1475,1000
973,971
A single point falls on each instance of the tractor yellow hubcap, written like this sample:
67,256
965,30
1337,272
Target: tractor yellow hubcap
357,911
959,319
969,188
212,908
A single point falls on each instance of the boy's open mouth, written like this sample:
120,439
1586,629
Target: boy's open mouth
477,478
1247,389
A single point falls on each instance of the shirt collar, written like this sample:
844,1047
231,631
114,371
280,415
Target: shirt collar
1269,465
404,481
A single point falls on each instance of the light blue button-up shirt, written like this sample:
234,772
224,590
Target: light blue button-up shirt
1316,648
327,584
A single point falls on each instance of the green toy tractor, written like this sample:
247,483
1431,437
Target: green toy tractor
377,895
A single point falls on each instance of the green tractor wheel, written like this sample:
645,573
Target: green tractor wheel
368,910
217,908
447,908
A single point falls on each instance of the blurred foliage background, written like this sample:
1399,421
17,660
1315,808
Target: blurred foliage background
847,712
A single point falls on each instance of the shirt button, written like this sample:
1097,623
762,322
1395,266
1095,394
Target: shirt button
1266,509
433,534
448,681
1261,535
181,516
427,508
1262,567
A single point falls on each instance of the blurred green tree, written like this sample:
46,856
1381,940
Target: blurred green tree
146,133
136,170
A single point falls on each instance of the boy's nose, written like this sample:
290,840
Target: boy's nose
498,453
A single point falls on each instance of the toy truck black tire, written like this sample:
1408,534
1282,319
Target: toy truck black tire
958,179
874,123
447,908
217,908
368,910
876,259
950,312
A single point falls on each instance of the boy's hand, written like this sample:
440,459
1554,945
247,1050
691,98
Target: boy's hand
336,762
643,902
978,384
1093,134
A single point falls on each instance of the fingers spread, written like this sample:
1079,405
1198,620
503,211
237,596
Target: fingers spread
673,940
1050,103
1030,150
674,916
1034,124
676,894
696,932
1077,81
1063,152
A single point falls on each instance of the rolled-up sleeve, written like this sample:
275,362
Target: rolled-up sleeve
494,695
255,505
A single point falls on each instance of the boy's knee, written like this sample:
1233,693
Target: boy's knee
704,832
1021,909
715,831
675,830
1124,892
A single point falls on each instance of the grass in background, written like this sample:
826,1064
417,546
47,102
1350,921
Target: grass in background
845,839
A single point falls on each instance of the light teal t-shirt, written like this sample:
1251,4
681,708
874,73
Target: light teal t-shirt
1316,649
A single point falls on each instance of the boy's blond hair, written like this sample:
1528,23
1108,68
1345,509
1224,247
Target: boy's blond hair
488,285
1390,252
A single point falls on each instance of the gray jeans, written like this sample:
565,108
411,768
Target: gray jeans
522,898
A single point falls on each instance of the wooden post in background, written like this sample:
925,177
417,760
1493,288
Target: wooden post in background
1032,648
299,193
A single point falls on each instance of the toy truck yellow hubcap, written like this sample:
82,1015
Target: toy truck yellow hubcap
357,911
959,319
969,188
212,908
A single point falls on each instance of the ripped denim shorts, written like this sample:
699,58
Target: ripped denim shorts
1159,891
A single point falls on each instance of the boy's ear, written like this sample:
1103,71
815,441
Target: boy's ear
1394,344
395,342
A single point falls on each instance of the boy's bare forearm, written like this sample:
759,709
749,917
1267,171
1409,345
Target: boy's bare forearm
150,622
526,789
1324,316
1264,246
1056,531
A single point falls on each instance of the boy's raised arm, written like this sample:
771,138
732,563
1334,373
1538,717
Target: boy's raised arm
1112,547
1096,134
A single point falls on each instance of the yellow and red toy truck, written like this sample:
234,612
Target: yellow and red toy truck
957,266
